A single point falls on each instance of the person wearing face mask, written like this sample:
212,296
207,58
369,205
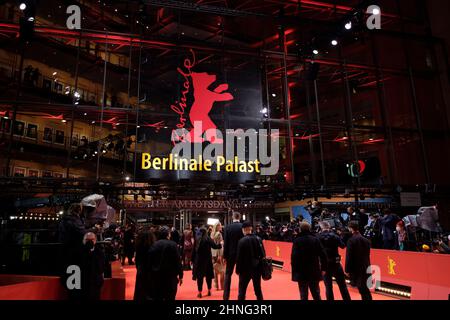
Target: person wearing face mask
92,268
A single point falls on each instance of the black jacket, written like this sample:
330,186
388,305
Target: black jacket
92,269
250,252
202,258
164,260
357,258
331,243
308,258
232,235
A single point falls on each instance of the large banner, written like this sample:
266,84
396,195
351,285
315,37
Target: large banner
215,130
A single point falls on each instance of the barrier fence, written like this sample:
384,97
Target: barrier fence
427,274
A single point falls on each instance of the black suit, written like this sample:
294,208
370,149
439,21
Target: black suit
331,242
232,235
92,269
166,269
308,259
356,263
248,259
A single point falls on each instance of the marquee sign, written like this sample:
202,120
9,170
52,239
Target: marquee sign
219,132
198,204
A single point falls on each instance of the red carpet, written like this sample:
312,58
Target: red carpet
279,288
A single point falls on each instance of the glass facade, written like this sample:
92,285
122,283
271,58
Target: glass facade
85,104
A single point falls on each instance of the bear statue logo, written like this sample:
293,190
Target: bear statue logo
391,266
199,85
204,100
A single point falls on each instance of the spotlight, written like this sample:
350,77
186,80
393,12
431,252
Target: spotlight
22,6
348,25
316,52
334,42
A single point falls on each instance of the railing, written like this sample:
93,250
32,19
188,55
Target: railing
57,139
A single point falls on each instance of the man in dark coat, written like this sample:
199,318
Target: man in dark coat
71,231
250,252
388,224
357,260
128,245
92,268
331,242
232,235
308,260
165,265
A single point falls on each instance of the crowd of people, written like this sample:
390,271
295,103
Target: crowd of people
384,229
162,255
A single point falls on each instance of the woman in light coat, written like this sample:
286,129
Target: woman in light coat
217,256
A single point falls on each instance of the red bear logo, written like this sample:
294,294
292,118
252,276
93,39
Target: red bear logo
204,100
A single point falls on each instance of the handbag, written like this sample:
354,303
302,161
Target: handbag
266,268
265,265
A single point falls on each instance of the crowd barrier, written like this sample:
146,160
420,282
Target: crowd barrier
427,274
19,287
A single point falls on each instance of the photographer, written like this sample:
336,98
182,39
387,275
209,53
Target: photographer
331,242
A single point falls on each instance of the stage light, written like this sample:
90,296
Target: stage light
348,25
31,19
127,178
274,95
55,73
334,42
316,52
63,121
85,114
22,6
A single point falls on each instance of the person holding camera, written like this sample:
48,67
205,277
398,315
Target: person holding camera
331,243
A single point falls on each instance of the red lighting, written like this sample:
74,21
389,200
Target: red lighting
343,139
372,141
310,137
